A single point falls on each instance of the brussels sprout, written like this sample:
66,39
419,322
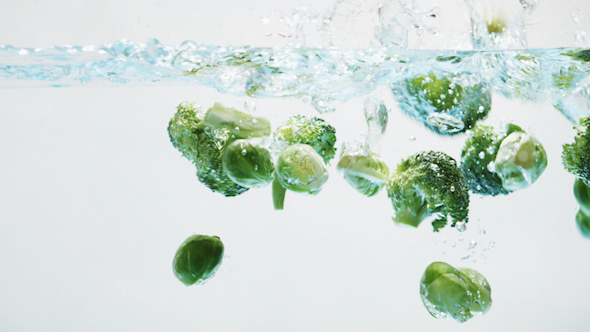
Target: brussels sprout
448,292
583,222
367,173
521,159
442,104
301,169
197,259
248,164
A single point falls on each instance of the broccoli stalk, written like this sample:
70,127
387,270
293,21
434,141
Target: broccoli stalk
429,184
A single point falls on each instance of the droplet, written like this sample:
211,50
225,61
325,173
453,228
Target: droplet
482,232
250,106
244,152
412,138
472,244
461,227
482,155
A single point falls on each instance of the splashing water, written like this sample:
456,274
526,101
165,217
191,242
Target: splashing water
548,75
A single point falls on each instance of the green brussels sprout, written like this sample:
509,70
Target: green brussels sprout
441,104
451,293
582,195
583,223
248,164
197,259
301,169
521,159
365,172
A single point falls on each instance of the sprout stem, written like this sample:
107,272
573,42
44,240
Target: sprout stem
278,194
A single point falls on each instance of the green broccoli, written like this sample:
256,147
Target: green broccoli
366,172
451,293
499,163
202,137
314,132
197,259
429,184
442,105
576,156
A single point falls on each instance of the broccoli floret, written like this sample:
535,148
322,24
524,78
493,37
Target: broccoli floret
429,184
197,259
202,137
314,132
477,157
499,163
442,105
451,293
576,156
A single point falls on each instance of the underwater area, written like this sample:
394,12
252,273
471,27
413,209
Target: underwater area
96,198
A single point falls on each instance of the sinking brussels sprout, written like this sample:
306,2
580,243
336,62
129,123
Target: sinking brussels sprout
451,293
442,103
521,159
248,164
583,223
366,172
301,169
197,259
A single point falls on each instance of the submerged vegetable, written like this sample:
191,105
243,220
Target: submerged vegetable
197,259
576,156
429,184
443,105
301,169
202,137
499,163
248,164
366,172
314,132
451,293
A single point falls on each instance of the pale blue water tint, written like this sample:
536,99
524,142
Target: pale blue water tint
559,75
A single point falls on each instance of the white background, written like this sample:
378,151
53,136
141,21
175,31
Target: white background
94,201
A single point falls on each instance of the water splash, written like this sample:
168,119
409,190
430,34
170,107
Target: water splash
544,75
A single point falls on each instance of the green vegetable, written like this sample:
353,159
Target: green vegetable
365,172
429,184
499,163
582,195
583,223
301,169
197,259
443,105
202,137
520,160
576,156
451,293
248,164
314,132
